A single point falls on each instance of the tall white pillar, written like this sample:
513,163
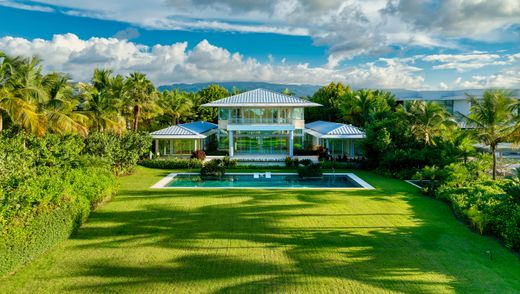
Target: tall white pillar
156,147
230,139
291,143
195,145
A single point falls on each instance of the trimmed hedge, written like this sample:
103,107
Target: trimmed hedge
46,209
174,163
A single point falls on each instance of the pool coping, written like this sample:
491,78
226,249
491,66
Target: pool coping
364,185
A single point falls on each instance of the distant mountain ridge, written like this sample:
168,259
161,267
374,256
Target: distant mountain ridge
307,90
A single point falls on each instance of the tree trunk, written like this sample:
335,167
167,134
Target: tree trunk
137,111
1,121
493,149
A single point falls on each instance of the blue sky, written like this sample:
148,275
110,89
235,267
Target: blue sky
379,44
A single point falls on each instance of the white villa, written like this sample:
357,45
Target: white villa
258,123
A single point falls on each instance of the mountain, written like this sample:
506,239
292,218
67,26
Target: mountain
308,90
298,90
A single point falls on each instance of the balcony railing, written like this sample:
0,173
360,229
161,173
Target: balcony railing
259,120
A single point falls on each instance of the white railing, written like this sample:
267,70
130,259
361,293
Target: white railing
259,120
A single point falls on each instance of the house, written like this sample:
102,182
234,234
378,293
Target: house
258,122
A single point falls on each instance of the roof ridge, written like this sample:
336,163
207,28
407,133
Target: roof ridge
187,129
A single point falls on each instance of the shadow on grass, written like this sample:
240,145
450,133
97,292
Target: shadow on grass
377,257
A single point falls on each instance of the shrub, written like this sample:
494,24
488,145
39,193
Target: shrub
312,170
174,163
289,162
305,162
213,168
122,152
229,163
198,154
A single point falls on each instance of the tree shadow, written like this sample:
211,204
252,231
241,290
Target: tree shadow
328,250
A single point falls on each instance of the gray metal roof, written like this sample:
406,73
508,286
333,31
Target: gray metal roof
325,129
193,130
261,97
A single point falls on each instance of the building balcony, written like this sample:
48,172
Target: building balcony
259,121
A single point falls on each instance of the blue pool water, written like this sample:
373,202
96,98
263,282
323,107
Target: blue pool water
276,181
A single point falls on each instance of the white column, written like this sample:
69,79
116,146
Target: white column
171,147
156,146
195,145
230,139
291,143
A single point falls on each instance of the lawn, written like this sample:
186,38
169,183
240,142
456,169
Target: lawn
391,239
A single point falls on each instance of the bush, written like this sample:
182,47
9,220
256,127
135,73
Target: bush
45,209
312,170
289,162
229,163
174,163
217,153
198,154
213,168
122,152
305,162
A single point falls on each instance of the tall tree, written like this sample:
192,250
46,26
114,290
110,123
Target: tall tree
495,119
427,120
140,93
207,95
59,108
330,97
176,106
20,91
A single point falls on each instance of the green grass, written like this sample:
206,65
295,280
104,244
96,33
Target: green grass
391,239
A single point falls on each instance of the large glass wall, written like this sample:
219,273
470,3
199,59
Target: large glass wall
266,142
260,115
177,146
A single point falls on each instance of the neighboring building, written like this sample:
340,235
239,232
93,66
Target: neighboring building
259,122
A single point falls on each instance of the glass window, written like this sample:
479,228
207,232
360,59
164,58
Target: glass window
223,113
298,113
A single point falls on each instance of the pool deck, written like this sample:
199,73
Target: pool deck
162,184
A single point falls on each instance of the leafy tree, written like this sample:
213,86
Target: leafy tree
176,106
428,120
20,91
141,94
358,107
207,95
330,97
59,109
495,119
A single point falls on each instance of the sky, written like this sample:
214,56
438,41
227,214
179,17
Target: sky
407,44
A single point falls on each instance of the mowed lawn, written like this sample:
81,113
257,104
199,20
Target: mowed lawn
391,239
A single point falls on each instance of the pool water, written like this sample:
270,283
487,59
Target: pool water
276,181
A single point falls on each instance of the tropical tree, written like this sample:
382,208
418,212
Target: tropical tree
59,110
176,106
102,109
358,107
20,91
494,119
330,97
428,120
207,95
141,94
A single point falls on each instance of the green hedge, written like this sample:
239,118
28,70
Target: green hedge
46,209
174,163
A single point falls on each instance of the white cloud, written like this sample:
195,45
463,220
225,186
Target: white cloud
17,5
347,27
465,62
508,79
174,63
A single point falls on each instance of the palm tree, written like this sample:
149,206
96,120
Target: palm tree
175,105
59,109
495,119
140,93
358,107
20,91
428,120
102,109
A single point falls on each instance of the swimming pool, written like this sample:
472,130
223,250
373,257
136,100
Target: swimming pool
261,181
